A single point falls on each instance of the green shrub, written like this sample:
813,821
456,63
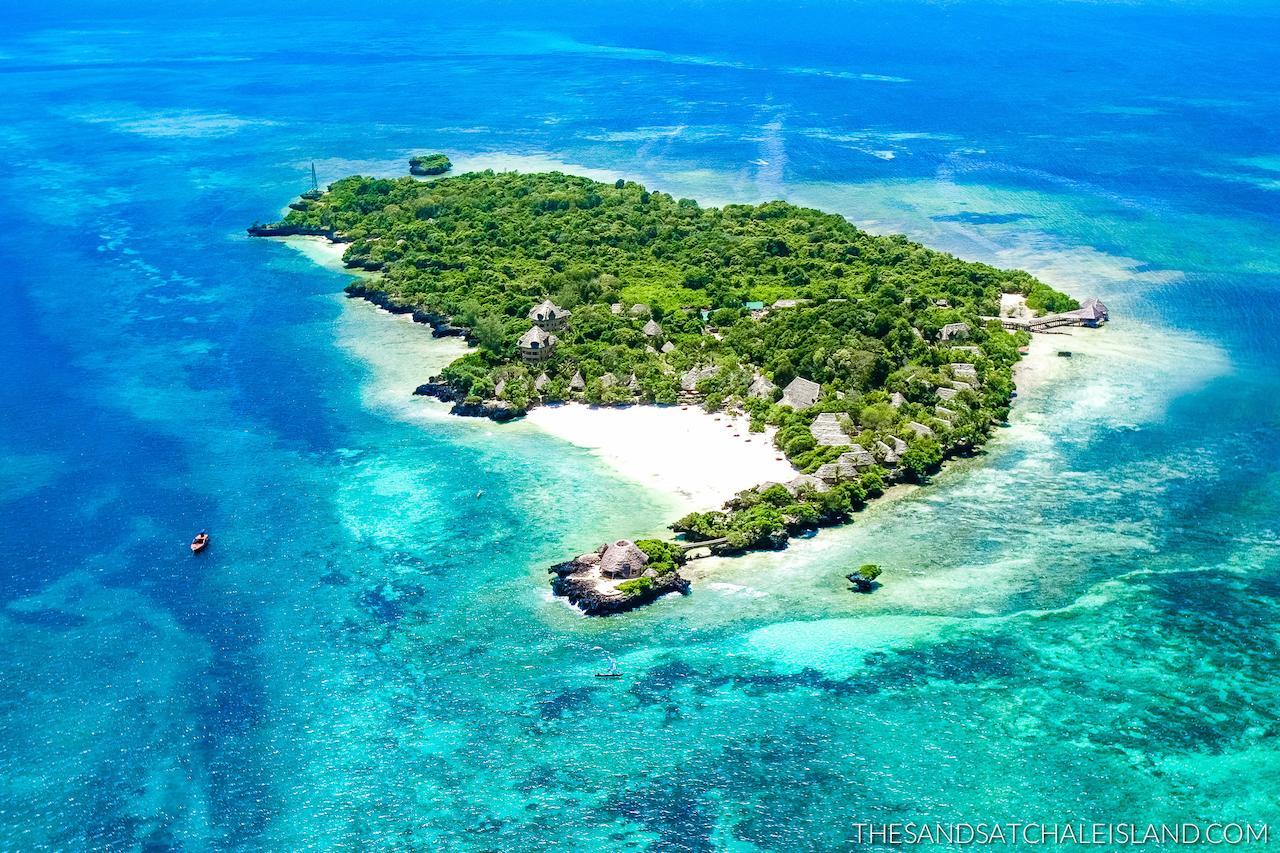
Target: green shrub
636,586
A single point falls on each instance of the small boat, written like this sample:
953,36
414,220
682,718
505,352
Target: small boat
613,666
479,493
200,542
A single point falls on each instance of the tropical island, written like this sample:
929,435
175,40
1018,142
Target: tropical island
429,164
866,360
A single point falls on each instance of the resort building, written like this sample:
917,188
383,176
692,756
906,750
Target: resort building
967,372
761,388
652,329
1092,313
536,345
806,481
828,431
623,559
577,384
549,316
689,381
953,330
801,394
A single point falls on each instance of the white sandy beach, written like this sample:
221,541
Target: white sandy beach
691,455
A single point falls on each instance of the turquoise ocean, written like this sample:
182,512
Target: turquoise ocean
1081,624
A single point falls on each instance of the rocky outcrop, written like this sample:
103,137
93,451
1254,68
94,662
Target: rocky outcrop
495,410
440,325
576,580
282,229
437,388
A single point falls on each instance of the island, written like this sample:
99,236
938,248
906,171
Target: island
429,164
867,360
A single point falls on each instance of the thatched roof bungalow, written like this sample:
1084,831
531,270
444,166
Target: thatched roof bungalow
652,329
1091,312
858,456
536,344
806,481
689,381
801,394
761,388
549,315
623,559
828,431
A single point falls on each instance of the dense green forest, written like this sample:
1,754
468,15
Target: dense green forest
672,301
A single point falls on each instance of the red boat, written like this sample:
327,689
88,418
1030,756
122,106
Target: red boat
200,542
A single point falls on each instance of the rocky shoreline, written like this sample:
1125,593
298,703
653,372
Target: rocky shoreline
440,325
494,410
281,229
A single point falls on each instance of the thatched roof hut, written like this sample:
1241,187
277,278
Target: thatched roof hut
953,330
896,400
801,393
689,381
806,481
536,344
857,456
828,431
641,310
541,382
668,347
946,393
920,429
577,383
652,329
962,370
761,388
623,559
608,380
549,315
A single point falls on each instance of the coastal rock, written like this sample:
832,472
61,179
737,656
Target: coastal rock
579,581
440,325
494,410
438,389
281,229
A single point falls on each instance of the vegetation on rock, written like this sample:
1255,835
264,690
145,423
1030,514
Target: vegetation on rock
429,164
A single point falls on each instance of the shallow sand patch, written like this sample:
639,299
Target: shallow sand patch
699,459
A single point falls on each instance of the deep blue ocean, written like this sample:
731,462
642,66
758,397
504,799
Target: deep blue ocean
1083,624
